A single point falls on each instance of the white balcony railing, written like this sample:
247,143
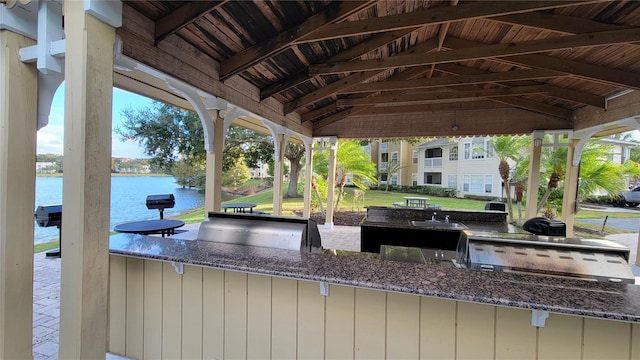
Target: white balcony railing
433,163
383,166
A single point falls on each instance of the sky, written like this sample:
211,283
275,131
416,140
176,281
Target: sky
51,137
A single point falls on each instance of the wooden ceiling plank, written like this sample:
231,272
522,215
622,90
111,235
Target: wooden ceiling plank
484,51
183,16
366,46
259,52
471,105
351,80
338,117
516,75
432,16
466,94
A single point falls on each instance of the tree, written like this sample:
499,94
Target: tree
294,153
392,168
596,172
186,175
350,159
237,175
508,148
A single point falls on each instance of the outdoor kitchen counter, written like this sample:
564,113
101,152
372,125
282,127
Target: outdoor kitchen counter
574,297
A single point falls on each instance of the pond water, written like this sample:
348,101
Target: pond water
128,199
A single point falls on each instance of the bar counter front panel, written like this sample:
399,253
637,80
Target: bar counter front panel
234,301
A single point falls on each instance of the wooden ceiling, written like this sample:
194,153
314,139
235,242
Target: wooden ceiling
402,68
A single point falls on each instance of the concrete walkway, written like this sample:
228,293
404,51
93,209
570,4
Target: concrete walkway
46,282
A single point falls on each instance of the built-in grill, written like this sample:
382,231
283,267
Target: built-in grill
595,260
278,232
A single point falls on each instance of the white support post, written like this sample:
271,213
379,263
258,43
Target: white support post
87,184
18,96
308,176
331,181
537,138
570,196
213,186
279,143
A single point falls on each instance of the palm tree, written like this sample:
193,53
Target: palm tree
350,159
392,168
508,148
554,165
596,172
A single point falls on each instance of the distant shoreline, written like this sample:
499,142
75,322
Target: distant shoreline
112,174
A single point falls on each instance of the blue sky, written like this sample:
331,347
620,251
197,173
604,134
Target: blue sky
51,137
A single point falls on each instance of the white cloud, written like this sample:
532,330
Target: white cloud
51,139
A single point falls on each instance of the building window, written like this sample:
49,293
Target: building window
414,156
384,157
453,153
394,156
452,181
384,147
478,184
414,179
383,177
394,179
478,148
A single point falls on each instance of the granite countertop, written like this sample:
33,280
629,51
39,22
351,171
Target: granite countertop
566,296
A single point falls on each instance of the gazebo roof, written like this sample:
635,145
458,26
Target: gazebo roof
364,69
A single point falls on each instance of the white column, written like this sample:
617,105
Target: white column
213,191
533,183
280,142
87,184
18,105
308,174
331,181
570,196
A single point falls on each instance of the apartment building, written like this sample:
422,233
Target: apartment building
465,164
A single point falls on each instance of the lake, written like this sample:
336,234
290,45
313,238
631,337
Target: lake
128,199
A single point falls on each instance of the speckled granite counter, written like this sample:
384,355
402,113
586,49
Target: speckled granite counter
573,297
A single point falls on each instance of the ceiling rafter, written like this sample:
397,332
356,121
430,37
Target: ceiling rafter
591,72
563,93
366,46
183,16
443,95
351,80
433,16
515,75
484,51
285,39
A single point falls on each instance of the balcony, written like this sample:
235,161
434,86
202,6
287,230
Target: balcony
433,163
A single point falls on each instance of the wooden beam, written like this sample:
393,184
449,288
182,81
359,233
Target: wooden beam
338,117
510,121
535,106
183,16
318,112
336,12
460,105
453,95
516,75
484,51
352,80
366,46
558,23
591,72
432,16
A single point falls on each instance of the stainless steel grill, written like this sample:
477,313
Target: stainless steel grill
261,230
595,260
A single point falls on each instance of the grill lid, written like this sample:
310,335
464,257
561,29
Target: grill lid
596,260
259,230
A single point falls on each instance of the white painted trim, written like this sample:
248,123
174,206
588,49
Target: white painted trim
109,12
21,19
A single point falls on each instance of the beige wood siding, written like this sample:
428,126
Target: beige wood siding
213,314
